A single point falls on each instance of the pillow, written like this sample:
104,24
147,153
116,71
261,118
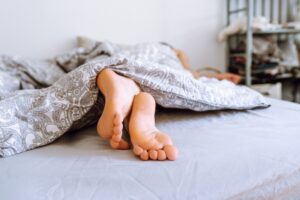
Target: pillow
85,42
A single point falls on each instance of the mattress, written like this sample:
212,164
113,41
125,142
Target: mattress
250,154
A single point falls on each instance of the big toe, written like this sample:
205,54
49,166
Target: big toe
121,145
171,152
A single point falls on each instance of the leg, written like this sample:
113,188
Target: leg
147,140
119,93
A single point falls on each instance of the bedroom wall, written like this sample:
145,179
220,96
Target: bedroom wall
41,29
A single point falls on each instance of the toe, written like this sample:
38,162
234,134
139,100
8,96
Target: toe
117,137
114,144
118,129
137,150
171,152
161,155
144,155
118,119
123,145
153,154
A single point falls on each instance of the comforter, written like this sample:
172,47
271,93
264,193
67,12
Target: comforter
44,100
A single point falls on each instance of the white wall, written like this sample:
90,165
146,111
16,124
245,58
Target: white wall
41,29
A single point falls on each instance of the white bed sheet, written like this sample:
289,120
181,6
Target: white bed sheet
223,155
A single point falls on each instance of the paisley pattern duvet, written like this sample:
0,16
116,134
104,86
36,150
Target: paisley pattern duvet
34,117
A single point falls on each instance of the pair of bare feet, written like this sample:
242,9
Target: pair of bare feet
124,100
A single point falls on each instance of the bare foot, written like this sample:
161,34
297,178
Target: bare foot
148,142
119,92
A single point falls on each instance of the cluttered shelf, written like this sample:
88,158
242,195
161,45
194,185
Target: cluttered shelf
263,45
273,58
262,39
269,59
275,31
294,75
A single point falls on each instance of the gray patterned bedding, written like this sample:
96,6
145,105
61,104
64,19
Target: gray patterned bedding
43,101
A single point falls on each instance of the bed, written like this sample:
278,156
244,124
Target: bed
250,154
